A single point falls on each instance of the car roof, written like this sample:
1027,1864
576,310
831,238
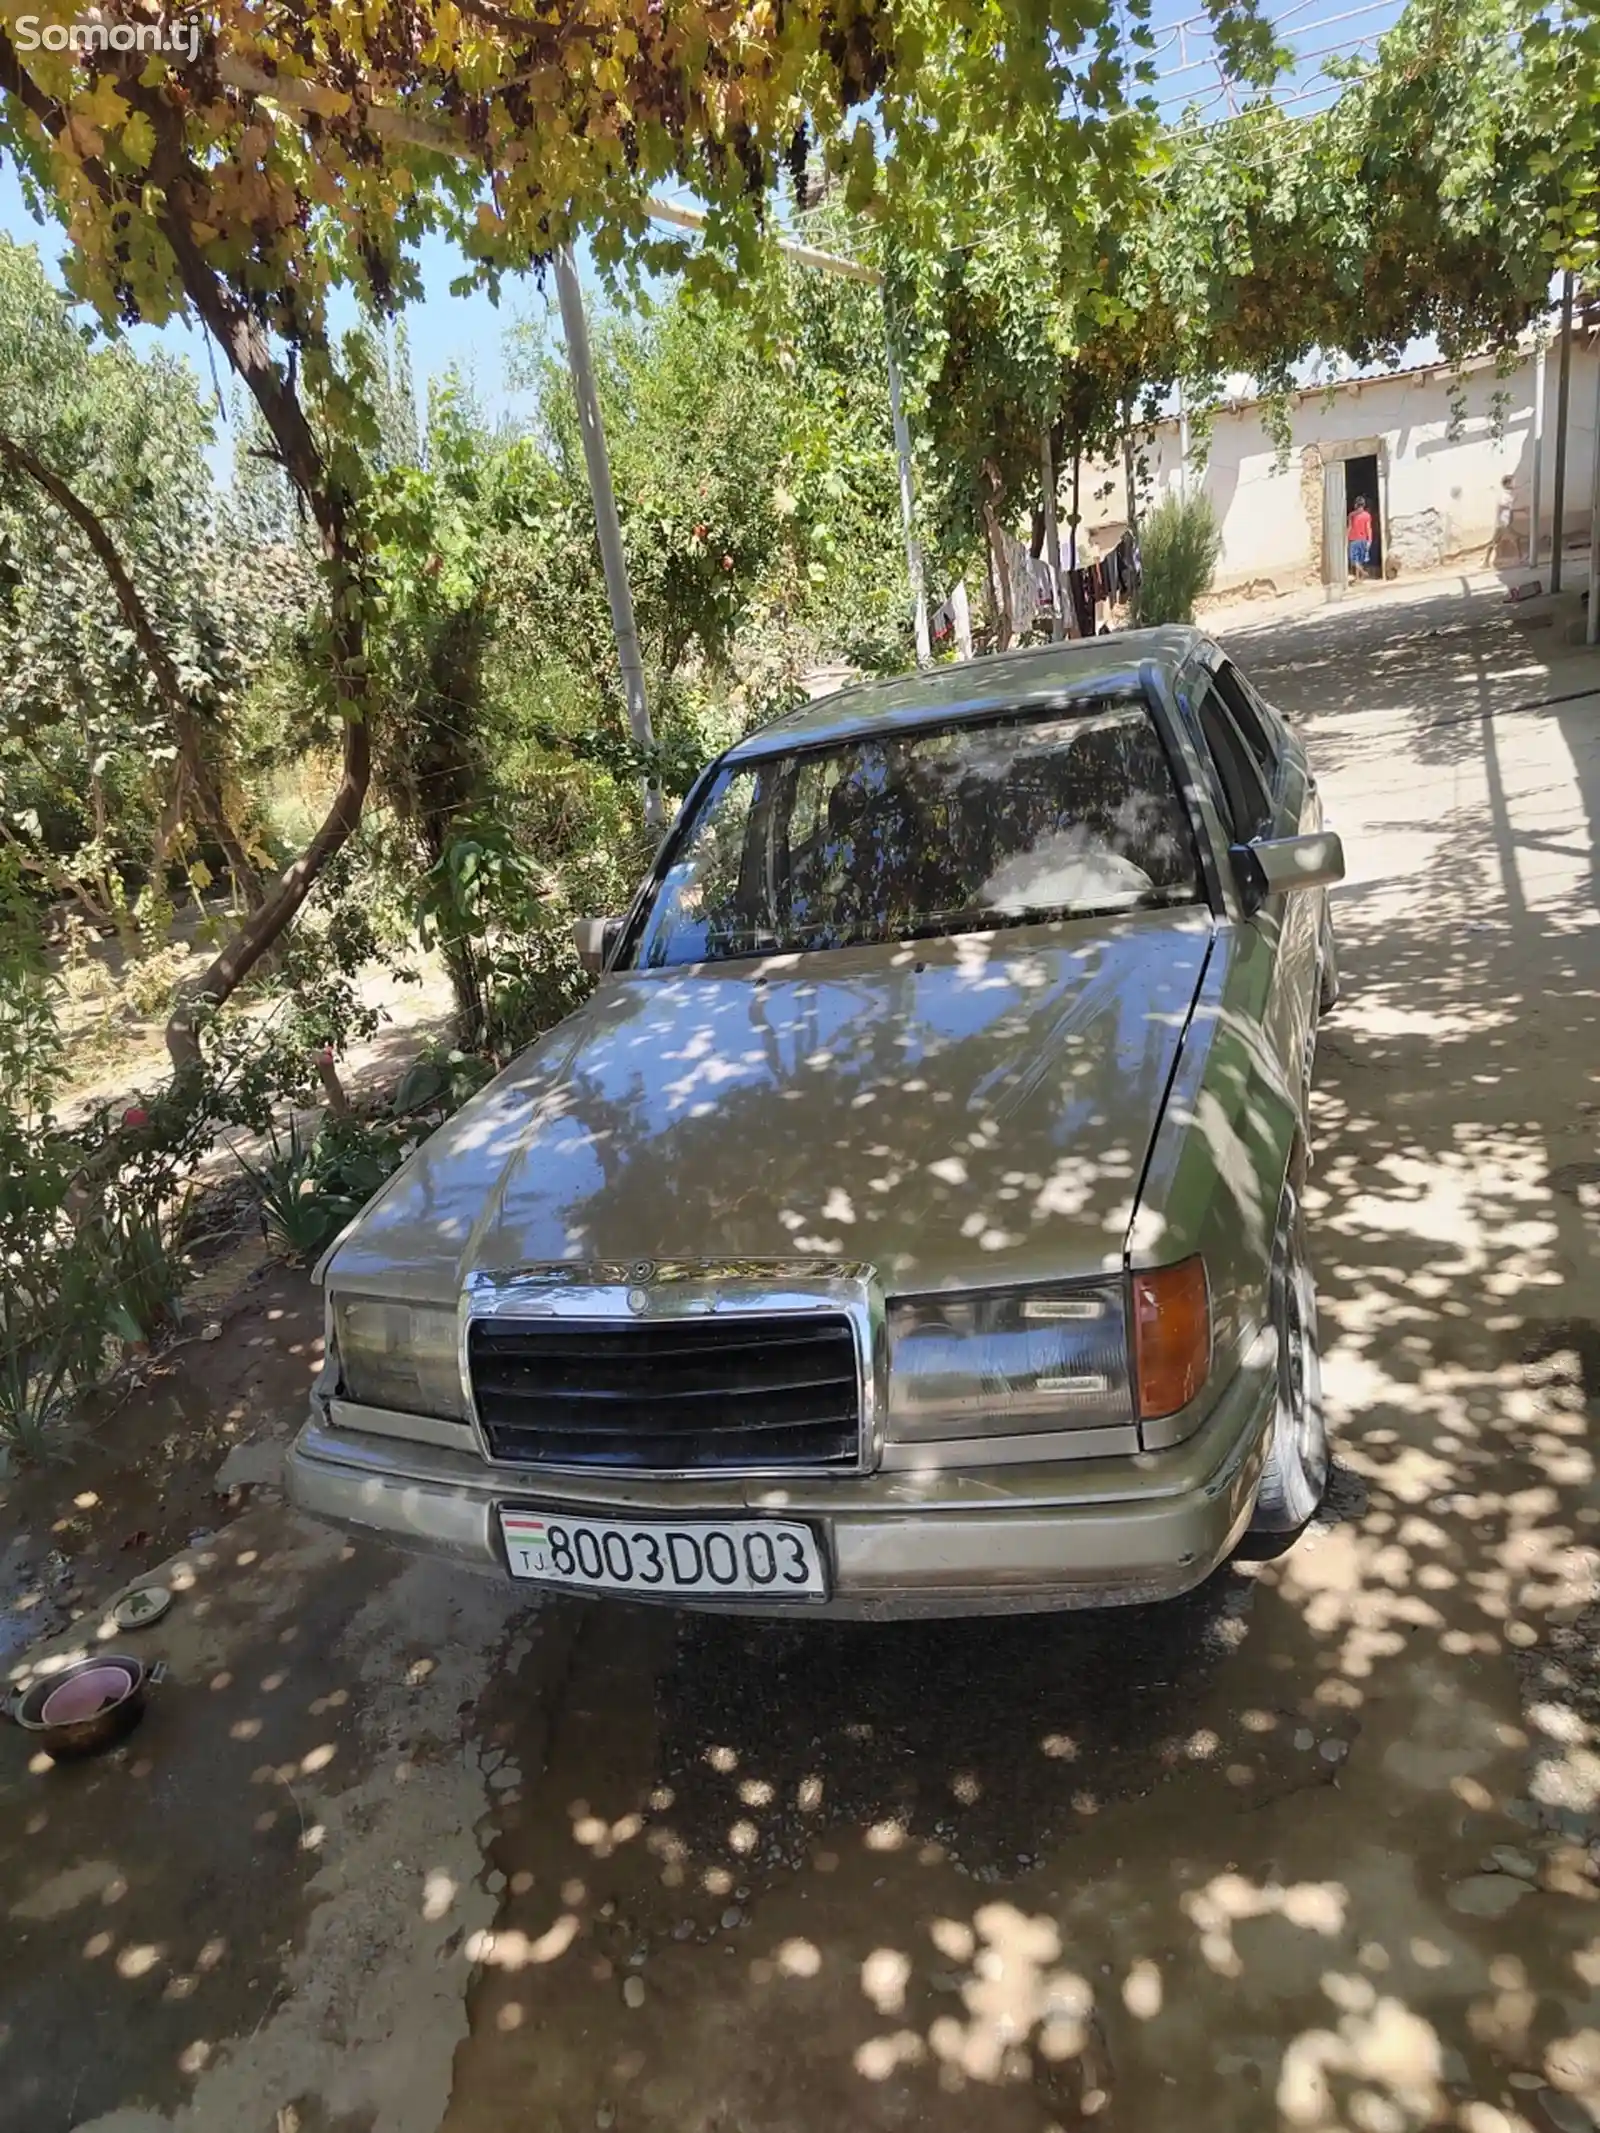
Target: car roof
1045,675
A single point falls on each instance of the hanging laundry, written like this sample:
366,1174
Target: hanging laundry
1081,585
1021,579
1128,549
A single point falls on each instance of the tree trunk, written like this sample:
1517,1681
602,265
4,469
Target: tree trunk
245,342
999,561
240,330
1041,514
166,831
1072,535
262,927
186,726
445,776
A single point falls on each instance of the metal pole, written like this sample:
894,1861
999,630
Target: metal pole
902,447
576,328
1591,625
1052,539
962,614
1127,468
1536,496
803,255
1183,444
1563,386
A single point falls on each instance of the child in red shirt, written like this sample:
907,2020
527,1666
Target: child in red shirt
1359,535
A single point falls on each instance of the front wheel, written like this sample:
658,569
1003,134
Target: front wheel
1296,1472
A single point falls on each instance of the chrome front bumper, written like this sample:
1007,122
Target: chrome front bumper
1071,1533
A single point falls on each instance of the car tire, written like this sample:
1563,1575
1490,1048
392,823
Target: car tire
1327,967
1296,1473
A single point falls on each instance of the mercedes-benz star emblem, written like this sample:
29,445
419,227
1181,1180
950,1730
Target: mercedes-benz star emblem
638,1300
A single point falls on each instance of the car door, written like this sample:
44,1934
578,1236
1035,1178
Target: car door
1259,792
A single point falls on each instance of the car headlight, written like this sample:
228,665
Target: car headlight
1008,1362
399,1355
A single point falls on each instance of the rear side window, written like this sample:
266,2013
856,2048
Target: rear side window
1245,804
1240,699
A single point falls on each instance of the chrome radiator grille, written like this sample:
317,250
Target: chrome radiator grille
759,1390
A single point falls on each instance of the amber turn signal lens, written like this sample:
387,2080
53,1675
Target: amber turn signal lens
1171,1336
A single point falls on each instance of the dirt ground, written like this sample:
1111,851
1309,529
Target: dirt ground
397,1851
156,1465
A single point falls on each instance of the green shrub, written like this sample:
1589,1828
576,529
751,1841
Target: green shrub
309,1189
536,980
92,1215
438,1081
151,982
89,1258
88,1214
135,1229
54,1316
296,1219
1179,542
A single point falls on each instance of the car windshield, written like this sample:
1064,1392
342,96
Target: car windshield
936,830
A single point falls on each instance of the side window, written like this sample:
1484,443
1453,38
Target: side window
1246,809
704,902
1240,698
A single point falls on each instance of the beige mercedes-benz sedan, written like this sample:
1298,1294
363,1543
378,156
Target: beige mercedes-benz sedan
910,1222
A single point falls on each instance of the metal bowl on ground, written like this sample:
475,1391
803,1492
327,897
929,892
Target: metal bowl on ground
87,1706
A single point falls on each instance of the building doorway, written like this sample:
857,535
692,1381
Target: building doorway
1361,485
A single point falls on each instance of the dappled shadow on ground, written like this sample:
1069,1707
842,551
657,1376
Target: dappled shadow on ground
147,1893
155,1899
241,1912
1308,1849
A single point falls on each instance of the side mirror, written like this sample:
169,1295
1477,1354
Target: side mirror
1279,866
595,939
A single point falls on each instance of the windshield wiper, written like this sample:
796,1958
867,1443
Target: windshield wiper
983,920
800,935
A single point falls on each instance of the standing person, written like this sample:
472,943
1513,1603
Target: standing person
1359,535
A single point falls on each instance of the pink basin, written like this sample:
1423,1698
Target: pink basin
85,1694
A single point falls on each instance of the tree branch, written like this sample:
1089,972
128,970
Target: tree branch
186,728
233,323
60,878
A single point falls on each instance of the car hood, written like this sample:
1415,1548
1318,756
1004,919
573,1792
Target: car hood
953,1112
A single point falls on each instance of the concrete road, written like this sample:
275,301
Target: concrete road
1309,1850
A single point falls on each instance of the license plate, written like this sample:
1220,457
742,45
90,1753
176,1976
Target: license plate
738,1556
